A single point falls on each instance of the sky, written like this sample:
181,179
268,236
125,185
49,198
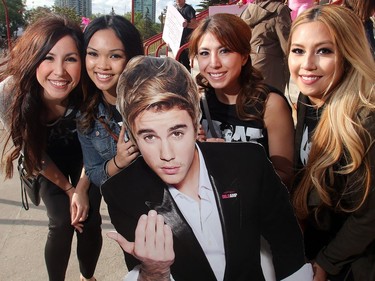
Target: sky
105,6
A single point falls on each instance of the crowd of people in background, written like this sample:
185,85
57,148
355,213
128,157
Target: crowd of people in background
210,171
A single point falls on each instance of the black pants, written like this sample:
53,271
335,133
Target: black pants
60,235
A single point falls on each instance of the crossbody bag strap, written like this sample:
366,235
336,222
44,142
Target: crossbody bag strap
208,116
24,200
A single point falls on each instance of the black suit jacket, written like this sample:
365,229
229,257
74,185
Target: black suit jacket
251,201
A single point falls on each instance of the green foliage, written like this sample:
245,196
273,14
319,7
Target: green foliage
97,15
38,12
144,25
204,4
35,13
15,16
68,12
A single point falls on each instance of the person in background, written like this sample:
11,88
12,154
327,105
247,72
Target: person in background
244,2
270,23
298,6
190,23
110,42
334,193
40,98
364,9
236,95
191,205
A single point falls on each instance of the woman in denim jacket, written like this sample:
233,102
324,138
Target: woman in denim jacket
110,42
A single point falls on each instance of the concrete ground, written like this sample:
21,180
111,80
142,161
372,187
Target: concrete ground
23,236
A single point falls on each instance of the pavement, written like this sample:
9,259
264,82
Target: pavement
23,235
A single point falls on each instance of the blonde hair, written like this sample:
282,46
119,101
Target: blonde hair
158,83
340,142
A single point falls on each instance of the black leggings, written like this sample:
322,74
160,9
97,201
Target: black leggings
60,235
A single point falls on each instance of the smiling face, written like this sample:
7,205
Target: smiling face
105,61
166,139
60,71
314,62
219,65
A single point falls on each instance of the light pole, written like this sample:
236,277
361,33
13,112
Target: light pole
132,13
7,24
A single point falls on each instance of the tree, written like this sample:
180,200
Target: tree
204,4
35,13
38,12
148,31
144,25
68,12
15,13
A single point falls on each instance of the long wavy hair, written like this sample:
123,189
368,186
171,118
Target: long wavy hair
341,141
233,33
130,38
26,114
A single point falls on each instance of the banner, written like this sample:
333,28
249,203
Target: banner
172,32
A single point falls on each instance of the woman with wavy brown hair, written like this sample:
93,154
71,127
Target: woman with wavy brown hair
236,94
39,100
334,195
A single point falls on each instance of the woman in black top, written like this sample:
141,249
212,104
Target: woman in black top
236,95
39,101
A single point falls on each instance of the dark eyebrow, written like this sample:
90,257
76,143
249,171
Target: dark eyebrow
178,126
145,131
66,55
113,50
174,128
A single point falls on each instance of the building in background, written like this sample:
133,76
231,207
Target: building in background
146,7
82,7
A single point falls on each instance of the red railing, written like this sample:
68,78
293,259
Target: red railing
154,45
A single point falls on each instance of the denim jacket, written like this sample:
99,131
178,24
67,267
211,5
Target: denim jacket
98,146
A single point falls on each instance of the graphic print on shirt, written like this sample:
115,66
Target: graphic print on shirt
305,146
63,131
233,133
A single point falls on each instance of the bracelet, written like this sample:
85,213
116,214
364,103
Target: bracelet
114,162
68,188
